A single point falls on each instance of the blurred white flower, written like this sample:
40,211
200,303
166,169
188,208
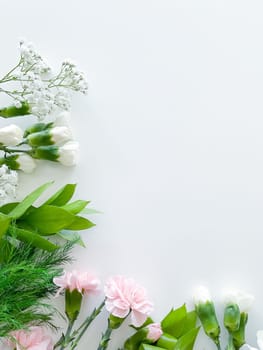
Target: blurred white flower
26,163
242,299
63,119
68,153
11,135
8,184
60,134
259,341
201,295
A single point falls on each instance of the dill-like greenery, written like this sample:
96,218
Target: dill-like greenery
26,275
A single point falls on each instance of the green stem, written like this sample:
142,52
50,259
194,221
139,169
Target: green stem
84,326
13,150
104,342
64,339
11,71
230,345
218,346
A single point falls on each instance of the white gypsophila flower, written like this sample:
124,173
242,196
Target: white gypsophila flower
242,299
31,59
39,97
8,184
259,342
68,153
60,134
201,295
73,77
11,135
62,99
26,163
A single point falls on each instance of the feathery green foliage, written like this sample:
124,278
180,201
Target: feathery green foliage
26,281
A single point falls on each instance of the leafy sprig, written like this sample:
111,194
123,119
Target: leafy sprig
179,332
26,281
55,217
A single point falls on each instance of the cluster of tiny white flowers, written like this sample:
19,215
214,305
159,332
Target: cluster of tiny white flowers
31,61
8,184
62,99
39,97
45,93
70,76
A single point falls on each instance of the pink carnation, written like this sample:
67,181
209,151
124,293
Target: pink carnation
83,282
33,339
154,332
124,295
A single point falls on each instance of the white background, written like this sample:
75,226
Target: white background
171,139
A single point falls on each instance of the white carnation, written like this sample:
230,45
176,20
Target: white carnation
11,135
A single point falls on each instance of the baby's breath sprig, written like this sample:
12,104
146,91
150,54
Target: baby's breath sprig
35,90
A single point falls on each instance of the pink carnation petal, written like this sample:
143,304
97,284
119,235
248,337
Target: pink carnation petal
124,295
137,318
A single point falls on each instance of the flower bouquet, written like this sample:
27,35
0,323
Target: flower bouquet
37,237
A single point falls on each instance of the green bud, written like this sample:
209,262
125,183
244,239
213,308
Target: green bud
41,138
11,162
239,335
232,317
166,341
73,304
13,111
207,315
115,322
50,152
149,347
134,342
37,128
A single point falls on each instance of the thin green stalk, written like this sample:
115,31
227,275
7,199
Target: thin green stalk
84,326
11,71
218,346
66,337
104,342
230,345
13,150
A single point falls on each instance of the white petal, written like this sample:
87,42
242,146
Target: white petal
260,339
201,295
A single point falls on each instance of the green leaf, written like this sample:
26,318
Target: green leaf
134,342
75,207
190,321
62,196
91,211
4,224
49,219
167,341
186,342
35,239
173,323
6,208
26,203
80,223
149,347
72,237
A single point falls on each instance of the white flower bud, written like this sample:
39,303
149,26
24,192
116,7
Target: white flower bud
243,300
11,135
26,163
201,295
260,339
60,134
68,153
